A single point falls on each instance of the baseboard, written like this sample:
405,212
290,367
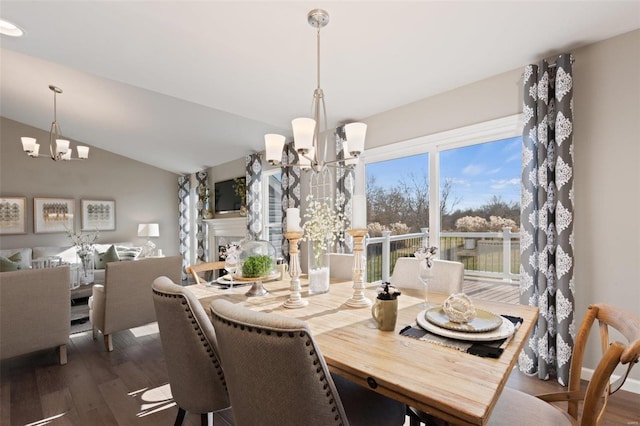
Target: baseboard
630,385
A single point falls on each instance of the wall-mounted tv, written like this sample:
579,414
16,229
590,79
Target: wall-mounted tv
226,200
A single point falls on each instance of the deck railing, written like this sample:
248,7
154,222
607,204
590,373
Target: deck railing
483,254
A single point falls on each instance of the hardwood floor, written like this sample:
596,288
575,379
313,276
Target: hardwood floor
129,386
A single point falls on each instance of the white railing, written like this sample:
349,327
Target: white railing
484,254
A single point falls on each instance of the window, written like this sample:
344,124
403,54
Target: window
272,196
476,170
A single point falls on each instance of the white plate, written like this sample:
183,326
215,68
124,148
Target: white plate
505,330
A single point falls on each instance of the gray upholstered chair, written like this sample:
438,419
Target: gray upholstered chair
124,301
276,375
448,276
190,351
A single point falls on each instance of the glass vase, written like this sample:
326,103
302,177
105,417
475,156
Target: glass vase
86,269
318,267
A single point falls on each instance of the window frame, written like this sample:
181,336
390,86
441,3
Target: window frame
488,131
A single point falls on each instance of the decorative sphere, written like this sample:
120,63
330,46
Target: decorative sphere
257,259
459,308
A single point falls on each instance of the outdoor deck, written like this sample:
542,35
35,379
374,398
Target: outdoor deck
492,290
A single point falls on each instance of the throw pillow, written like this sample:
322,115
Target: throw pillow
101,259
11,263
128,253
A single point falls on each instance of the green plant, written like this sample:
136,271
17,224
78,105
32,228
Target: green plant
240,188
257,266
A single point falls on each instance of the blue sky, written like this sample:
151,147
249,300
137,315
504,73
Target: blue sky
478,172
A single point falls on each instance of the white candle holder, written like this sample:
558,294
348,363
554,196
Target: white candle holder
358,300
295,300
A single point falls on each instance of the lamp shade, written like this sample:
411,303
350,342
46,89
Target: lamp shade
303,129
355,133
36,150
83,152
148,230
273,144
28,144
62,146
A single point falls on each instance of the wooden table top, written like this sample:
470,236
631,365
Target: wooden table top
450,384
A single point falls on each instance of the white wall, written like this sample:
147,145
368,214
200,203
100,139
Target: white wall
142,193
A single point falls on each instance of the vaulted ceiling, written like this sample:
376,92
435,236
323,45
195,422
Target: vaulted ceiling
184,85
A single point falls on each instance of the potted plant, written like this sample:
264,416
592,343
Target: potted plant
240,188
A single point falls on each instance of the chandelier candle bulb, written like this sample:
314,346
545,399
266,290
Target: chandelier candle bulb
359,212
293,220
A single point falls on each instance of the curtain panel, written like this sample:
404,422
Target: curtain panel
290,181
254,195
345,179
202,183
547,213
184,245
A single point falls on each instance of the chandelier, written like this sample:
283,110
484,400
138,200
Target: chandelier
58,148
307,131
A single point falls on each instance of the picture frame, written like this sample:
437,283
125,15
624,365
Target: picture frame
98,215
52,215
13,215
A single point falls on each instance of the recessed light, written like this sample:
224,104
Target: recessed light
10,29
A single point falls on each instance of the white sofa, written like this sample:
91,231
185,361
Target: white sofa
42,256
34,311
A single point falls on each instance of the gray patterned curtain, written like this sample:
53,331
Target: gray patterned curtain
290,189
546,245
254,195
184,245
345,179
202,178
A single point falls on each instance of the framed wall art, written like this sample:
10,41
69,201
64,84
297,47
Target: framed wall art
13,215
98,215
53,215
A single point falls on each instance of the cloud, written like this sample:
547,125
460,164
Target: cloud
515,157
473,169
503,183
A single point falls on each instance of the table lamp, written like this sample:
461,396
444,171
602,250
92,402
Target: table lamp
149,230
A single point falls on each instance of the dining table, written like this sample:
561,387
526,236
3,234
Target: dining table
450,384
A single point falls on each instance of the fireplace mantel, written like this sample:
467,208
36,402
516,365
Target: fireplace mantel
231,227
225,231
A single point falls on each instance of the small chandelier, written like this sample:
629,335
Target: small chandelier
306,131
58,148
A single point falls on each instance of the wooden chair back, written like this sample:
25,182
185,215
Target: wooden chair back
627,353
194,270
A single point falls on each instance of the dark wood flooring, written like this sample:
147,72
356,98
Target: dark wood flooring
129,386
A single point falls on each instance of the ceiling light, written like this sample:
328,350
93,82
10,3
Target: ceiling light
59,148
10,29
306,131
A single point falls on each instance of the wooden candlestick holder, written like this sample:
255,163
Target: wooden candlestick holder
358,300
295,300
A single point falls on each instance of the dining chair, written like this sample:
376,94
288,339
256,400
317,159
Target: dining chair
448,276
515,407
276,375
341,266
194,270
190,350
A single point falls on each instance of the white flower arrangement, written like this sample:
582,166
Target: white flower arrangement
231,252
323,226
427,254
83,242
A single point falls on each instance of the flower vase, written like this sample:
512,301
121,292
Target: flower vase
86,270
318,267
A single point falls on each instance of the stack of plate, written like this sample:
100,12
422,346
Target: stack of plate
486,326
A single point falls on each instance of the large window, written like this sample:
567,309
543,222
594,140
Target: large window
272,196
476,171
